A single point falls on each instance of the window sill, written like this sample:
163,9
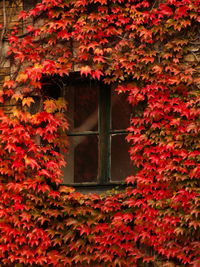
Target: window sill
96,188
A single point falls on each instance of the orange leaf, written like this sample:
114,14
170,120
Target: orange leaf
8,84
86,70
157,69
17,96
22,77
50,105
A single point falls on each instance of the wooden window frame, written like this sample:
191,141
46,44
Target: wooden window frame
104,133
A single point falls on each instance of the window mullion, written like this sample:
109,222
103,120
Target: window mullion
83,133
104,133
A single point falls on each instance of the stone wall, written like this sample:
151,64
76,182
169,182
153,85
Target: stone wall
9,10
193,58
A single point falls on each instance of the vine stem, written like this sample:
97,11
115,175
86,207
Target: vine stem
4,29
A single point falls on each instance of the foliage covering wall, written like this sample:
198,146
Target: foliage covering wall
149,49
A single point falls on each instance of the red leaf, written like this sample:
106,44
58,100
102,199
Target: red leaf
45,173
165,10
22,15
30,28
31,162
54,194
98,59
10,147
13,39
43,188
97,74
181,11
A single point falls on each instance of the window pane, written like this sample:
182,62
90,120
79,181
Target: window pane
82,98
121,166
35,107
28,4
121,111
82,160
51,87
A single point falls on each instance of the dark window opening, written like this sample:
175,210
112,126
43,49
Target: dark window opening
98,117
29,4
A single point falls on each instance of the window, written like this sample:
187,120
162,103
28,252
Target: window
28,4
98,117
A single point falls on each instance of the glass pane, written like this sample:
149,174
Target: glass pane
82,160
28,4
52,87
121,166
35,107
82,98
121,111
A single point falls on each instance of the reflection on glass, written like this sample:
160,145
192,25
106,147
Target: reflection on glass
82,160
121,111
82,98
121,166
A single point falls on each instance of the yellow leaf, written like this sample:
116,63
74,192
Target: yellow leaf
16,113
61,103
27,101
50,105
37,66
22,77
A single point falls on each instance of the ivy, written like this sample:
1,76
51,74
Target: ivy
146,48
